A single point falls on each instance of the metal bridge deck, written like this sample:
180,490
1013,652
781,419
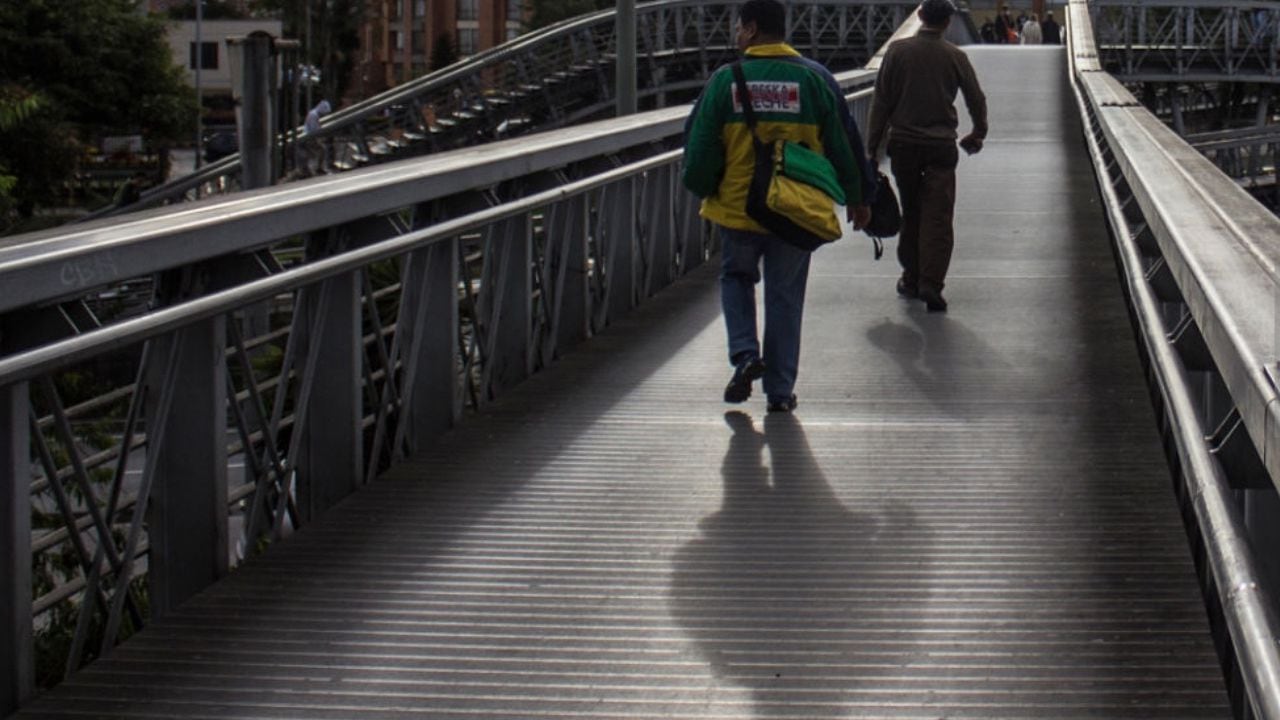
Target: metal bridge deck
969,515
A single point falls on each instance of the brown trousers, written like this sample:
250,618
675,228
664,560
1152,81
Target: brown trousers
926,178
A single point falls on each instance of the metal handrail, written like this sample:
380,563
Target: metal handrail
48,265
1247,607
33,363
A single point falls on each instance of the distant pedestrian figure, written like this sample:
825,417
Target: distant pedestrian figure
1031,34
1051,29
317,158
988,33
914,106
1004,26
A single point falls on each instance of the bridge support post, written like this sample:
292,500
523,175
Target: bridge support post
17,650
622,249
187,511
430,290
626,67
255,55
330,463
689,228
571,262
511,296
661,215
1175,106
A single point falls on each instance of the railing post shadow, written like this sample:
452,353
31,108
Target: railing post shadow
17,648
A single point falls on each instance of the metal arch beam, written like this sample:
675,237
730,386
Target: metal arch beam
1202,40
60,263
625,67
536,75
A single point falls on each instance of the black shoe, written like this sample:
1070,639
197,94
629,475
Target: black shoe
933,299
739,387
907,290
784,405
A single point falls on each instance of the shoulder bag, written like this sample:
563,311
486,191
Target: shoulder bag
793,190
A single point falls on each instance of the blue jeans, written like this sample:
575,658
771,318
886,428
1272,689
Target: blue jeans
786,271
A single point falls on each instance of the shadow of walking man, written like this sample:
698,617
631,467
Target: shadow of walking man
788,593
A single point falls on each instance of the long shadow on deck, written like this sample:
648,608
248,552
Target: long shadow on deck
784,592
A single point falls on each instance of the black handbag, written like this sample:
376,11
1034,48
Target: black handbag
886,215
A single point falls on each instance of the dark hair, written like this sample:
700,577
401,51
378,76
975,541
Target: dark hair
936,12
770,16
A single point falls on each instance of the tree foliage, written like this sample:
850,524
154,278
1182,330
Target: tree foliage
99,63
97,67
17,108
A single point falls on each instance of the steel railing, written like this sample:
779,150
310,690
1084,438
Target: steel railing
1198,258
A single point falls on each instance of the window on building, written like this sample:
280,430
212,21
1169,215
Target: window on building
419,8
468,9
397,39
419,42
468,41
208,56
515,10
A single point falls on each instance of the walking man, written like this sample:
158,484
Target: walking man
1031,34
1051,29
915,106
796,99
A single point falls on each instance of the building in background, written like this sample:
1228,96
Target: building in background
399,37
163,6
211,54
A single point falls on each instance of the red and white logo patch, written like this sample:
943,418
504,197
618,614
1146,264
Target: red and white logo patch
770,96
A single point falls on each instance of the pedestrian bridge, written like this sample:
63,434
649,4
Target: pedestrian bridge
489,448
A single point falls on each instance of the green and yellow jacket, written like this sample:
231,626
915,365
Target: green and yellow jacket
794,99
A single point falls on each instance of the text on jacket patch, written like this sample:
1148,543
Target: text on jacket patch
770,96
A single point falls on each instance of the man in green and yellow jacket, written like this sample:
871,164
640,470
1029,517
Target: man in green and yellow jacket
794,99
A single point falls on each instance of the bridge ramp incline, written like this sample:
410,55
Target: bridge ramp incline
968,516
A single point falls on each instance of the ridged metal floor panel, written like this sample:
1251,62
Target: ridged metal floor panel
969,515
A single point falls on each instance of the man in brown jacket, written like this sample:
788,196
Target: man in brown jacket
915,106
